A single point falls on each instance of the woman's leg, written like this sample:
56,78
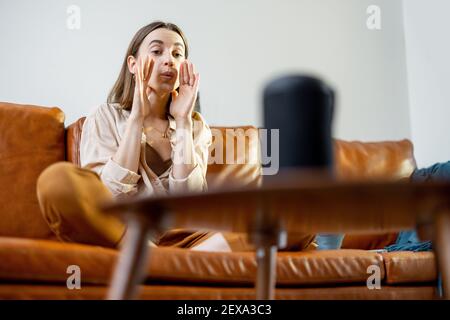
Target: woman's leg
436,172
69,197
195,240
227,241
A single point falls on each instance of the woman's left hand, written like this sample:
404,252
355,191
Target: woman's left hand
183,101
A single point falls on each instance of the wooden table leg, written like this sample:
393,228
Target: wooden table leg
266,274
266,241
133,260
442,228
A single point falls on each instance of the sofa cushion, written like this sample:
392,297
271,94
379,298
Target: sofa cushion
234,157
410,267
31,139
47,261
73,138
293,268
369,241
384,160
192,292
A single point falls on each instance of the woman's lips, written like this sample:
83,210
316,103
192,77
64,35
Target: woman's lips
167,75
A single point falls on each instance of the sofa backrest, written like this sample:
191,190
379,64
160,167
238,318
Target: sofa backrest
386,160
34,137
391,160
354,160
31,139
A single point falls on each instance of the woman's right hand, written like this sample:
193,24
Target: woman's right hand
141,103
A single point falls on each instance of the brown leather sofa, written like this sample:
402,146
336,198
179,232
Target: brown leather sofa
33,264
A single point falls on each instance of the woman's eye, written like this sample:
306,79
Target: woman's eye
178,55
156,52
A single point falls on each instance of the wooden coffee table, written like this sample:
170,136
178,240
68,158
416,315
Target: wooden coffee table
269,213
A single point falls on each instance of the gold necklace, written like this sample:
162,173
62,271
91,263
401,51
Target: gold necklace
164,135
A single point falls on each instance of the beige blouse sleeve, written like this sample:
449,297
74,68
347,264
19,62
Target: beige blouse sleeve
196,180
99,142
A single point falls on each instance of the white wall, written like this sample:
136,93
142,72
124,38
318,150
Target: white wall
237,46
428,59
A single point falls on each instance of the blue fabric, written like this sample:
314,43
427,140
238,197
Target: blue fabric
408,237
416,247
329,241
439,286
408,240
437,172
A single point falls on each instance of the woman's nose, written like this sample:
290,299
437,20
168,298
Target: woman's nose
169,60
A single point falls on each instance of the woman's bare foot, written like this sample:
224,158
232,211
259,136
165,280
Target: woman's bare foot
215,243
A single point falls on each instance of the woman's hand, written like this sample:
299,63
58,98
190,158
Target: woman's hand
141,103
183,101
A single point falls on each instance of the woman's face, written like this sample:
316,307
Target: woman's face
167,50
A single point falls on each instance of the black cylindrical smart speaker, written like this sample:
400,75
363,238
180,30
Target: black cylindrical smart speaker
301,107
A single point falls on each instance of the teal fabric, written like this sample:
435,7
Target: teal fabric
408,240
416,247
329,241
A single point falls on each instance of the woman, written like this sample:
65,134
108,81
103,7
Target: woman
146,140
